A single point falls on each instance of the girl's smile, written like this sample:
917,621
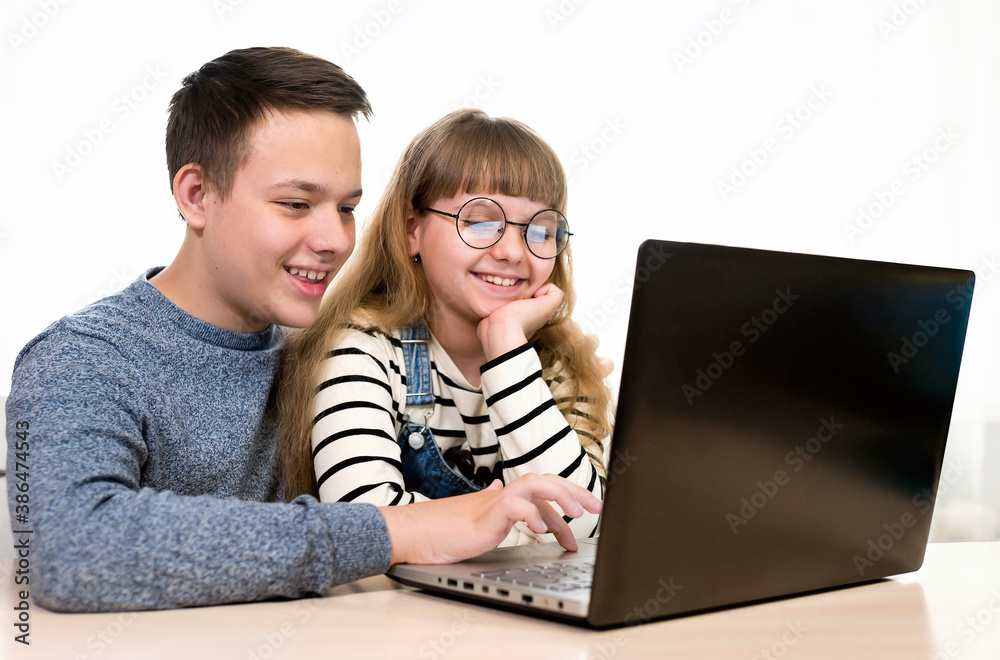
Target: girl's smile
468,284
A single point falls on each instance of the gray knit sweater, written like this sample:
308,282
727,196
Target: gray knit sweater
150,465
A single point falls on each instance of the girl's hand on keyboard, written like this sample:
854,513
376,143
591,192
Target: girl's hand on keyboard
455,528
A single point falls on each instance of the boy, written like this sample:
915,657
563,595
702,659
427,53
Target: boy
145,417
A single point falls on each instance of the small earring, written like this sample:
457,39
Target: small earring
416,259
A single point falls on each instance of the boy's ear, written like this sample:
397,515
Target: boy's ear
413,231
190,187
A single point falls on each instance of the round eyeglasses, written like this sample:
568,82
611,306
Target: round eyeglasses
481,223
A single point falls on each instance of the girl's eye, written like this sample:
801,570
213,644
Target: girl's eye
295,206
347,210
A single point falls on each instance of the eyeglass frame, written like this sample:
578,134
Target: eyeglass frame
524,232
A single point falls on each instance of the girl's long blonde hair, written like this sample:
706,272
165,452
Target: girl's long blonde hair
464,151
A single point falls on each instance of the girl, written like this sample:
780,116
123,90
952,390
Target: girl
445,357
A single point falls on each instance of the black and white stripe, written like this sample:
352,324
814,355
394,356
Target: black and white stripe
511,421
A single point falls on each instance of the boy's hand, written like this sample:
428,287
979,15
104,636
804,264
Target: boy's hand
456,528
512,325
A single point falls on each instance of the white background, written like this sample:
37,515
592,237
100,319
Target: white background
650,105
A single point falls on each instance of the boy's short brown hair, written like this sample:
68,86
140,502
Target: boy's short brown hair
214,113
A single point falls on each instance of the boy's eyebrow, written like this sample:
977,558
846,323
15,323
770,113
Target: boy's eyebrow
298,184
308,187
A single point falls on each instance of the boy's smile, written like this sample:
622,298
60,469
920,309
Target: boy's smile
267,252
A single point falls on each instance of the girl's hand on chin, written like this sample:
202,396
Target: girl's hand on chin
511,325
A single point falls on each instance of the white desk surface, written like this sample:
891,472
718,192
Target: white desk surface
948,609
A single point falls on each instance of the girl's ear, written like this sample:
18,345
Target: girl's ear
414,228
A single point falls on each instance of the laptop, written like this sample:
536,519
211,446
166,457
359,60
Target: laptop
780,429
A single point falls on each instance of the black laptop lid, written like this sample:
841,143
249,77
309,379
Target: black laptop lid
780,428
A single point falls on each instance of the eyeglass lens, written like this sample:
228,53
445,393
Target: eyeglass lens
481,223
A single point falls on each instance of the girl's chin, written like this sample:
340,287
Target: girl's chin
487,310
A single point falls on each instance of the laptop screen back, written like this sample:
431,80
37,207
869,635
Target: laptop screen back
782,422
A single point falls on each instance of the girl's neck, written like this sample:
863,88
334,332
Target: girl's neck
460,341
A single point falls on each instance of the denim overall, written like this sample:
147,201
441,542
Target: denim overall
424,469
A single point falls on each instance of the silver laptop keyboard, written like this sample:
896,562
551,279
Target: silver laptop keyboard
559,577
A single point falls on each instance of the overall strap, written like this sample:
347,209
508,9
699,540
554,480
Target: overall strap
417,359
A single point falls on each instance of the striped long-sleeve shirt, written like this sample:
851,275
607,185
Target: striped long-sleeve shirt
511,421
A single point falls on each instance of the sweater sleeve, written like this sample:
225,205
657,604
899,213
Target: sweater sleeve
102,542
533,434
353,438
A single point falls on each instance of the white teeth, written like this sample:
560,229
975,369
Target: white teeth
310,274
502,281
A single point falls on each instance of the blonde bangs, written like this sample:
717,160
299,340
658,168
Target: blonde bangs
476,153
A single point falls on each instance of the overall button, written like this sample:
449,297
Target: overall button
416,440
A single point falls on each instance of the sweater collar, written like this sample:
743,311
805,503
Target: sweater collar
158,305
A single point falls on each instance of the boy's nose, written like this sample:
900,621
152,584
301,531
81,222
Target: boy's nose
332,234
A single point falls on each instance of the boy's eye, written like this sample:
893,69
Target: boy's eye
295,206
